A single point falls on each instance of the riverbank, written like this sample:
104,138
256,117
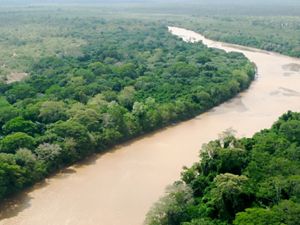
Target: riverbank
119,187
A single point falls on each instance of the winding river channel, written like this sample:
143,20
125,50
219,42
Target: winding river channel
119,187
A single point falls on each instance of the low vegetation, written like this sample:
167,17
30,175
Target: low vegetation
27,35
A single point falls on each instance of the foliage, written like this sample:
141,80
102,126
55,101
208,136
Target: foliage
18,124
131,79
175,203
255,182
273,33
11,143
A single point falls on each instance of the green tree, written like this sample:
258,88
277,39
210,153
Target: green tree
80,134
126,70
52,111
48,152
89,118
33,169
254,216
99,68
291,130
11,143
205,221
171,209
182,69
24,157
18,124
126,97
20,91
11,175
288,211
50,155
230,194
7,113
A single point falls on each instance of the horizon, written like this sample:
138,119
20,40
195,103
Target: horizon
201,2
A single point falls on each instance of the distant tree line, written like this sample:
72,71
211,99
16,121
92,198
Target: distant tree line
272,33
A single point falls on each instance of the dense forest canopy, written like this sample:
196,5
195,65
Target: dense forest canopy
278,34
239,181
30,33
131,77
99,80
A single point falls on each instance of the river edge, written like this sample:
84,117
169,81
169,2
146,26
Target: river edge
164,130
13,202
227,44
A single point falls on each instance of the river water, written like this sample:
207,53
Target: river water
119,187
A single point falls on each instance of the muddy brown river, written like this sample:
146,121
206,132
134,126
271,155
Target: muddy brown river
119,187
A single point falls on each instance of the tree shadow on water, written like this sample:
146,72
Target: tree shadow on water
12,206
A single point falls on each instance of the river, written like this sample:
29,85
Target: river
119,187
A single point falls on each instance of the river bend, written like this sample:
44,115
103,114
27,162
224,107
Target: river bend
119,187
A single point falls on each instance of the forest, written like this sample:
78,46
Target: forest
263,25
28,34
244,181
130,78
273,33
97,81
